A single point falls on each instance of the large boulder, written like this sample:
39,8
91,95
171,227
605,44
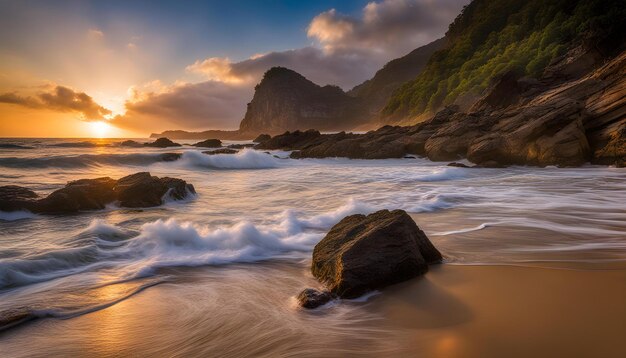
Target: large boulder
162,143
144,190
79,195
209,143
363,253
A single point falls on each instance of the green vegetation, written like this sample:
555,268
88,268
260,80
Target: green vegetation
491,37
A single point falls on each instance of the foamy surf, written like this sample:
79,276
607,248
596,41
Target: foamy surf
245,159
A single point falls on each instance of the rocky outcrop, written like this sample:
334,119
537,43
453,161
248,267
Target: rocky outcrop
540,123
209,143
262,138
136,190
285,100
162,143
131,143
363,253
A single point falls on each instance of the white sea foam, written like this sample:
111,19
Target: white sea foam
246,159
462,231
16,215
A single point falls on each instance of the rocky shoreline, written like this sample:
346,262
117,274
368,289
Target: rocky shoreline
567,124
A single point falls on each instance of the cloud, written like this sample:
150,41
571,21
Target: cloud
347,51
390,26
95,34
59,99
191,106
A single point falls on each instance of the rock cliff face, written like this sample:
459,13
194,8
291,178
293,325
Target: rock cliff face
285,100
561,120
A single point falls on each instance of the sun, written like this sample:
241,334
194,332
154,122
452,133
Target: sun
99,129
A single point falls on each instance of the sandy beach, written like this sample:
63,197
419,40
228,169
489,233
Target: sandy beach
453,311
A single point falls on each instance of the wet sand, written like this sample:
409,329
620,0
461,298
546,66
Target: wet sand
249,310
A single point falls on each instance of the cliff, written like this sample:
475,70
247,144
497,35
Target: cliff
285,100
376,91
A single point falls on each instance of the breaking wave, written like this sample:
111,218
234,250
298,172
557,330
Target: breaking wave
245,159
87,160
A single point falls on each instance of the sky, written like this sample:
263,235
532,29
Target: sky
129,68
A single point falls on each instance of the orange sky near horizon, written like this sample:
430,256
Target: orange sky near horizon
22,122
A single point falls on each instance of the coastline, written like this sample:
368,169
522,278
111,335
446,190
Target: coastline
453,311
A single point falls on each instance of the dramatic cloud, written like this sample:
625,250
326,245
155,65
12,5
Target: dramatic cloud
60,99
390,26
205,105
348,50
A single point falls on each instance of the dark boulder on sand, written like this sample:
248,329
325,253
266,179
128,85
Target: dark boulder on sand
132,191
262,138
209,143
363,253
312,298
162,143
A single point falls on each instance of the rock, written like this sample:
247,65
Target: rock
170,157
79,195
140,190
241,146
560,120
311,298
131,143
162,143
458,165
137,190
209,143
262,138
290,140
363,253
286,100
13,198
221,151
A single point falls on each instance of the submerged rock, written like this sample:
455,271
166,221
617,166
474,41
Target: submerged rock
363,253
209,143
162,143
312,298
131,143
458,165
221,151
136,190
241,146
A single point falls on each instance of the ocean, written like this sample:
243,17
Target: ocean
243,244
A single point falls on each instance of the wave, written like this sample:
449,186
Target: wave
164,243
462,231
84,144
443,174
15,317
16,215
245,159
87,160
14,146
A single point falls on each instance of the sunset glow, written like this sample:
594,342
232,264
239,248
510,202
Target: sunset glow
100,129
